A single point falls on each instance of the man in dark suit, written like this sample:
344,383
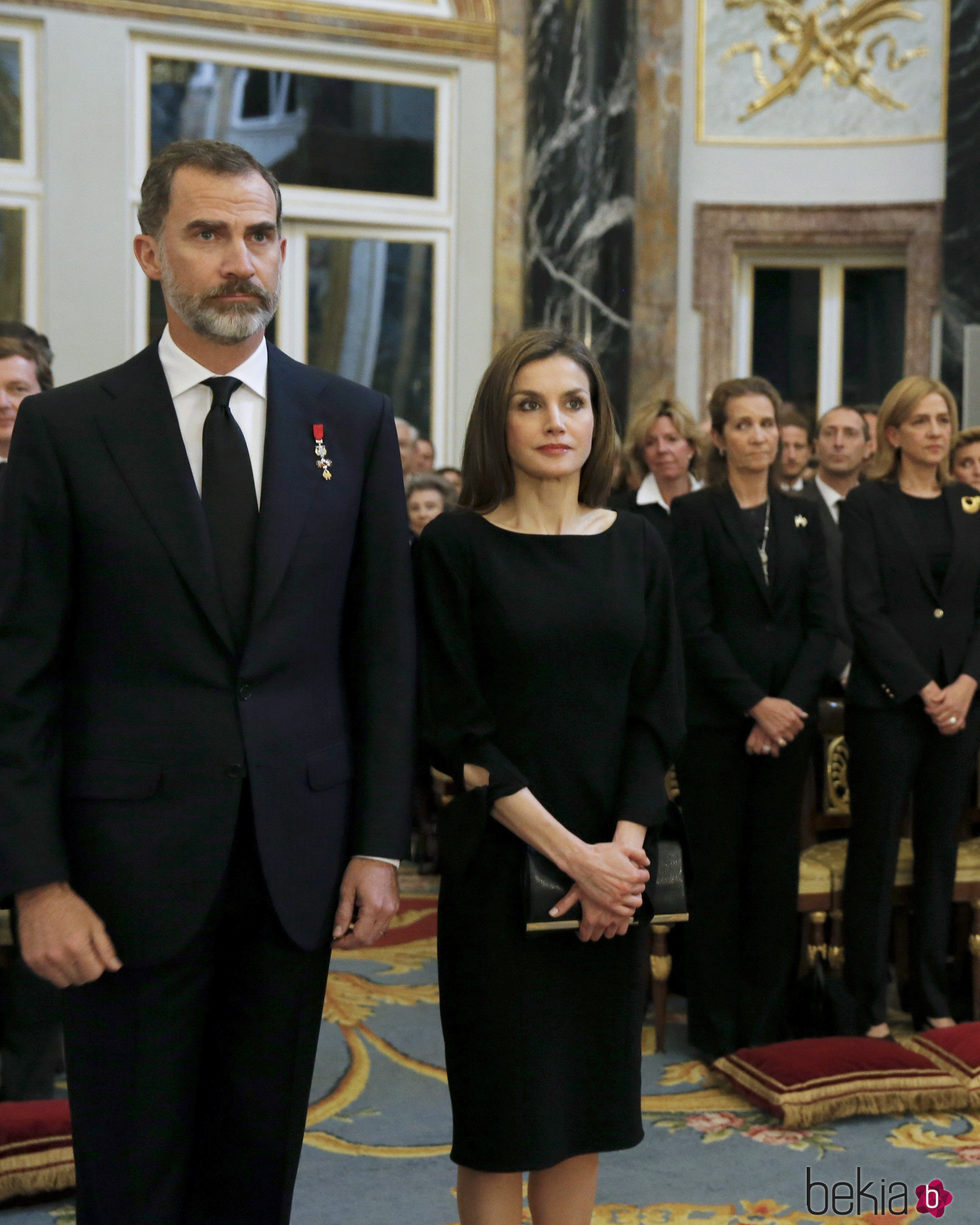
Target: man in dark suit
841,446
30,1009
25,369
206,684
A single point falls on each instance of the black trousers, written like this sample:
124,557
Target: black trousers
895,755
30,1034
741,814
189,1081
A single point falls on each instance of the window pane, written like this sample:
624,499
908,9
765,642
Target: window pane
11,263
10,101
311,131
369,317
874,333
786,333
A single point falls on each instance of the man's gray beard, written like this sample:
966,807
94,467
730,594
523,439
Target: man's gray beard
229,324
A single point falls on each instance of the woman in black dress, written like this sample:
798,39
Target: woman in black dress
911,548
552,692
754,604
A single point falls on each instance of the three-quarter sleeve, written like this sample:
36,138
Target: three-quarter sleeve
655,716
456,721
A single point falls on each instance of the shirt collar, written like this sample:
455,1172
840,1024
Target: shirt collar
649,491
830,496
182,372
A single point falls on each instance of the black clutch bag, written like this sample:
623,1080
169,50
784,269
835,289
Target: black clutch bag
545,884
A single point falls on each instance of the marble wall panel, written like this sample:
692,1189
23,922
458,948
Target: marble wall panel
581,94
653,351
961,223
508,257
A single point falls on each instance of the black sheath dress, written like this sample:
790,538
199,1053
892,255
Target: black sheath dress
554,662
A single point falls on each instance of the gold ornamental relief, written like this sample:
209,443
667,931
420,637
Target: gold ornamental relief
848,45
837,795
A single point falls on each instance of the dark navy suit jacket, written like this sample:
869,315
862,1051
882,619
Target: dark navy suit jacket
128,723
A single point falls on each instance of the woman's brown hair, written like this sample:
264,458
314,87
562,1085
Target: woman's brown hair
731,389
488,473
896,408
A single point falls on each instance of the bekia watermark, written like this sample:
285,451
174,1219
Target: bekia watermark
850,1198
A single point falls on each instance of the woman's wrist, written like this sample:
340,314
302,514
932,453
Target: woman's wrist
630,833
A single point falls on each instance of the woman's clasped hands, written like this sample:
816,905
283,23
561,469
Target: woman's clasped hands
778,721
609,882
948,707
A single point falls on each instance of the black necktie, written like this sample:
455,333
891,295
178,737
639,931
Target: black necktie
228,494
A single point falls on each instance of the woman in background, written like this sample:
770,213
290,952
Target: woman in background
664,444
754,603
552,692
964,457
427,496
911,549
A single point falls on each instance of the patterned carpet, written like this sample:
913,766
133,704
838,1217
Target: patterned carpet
378,1127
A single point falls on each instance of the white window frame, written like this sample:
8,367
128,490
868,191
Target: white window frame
330,212
831,265
20,184
291,332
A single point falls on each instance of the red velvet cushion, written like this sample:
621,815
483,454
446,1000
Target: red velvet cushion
35,1148
956,1050
815,1079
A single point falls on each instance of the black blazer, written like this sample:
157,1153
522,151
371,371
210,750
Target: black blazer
841,655
127,721
902,625
743,639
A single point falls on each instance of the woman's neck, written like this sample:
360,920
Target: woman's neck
676,488
919,480
542,508
749,488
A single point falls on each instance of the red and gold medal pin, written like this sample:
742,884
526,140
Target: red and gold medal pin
320,451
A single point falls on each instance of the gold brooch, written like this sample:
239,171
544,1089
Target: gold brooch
970,504
800,521
320,451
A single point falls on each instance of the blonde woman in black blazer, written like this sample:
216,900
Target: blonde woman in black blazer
912,588
753,597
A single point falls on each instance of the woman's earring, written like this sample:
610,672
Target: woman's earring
721,452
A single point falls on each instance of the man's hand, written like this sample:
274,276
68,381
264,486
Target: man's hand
368,903
61,937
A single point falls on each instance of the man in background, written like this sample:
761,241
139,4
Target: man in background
795,450
841,448
25,369
408,436
30,1008
425,455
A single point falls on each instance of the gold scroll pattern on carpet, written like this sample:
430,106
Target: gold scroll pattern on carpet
350,1003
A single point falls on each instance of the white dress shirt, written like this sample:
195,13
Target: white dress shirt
649,491
192,403
831,497
248,405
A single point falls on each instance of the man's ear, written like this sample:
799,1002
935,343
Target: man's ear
148,256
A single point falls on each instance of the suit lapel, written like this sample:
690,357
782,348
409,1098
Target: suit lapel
964,534
139,427
289,475
731,517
